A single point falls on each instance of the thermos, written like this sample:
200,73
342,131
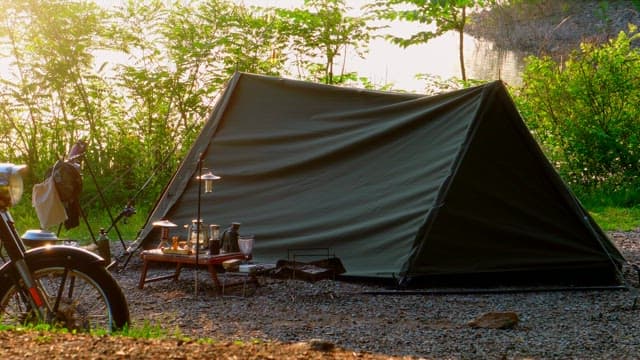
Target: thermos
214,239
103,246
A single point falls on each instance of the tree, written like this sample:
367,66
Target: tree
53,96
255,43
323,31
180,57
139,110
446,15
165,65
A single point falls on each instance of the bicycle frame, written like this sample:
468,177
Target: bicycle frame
16,250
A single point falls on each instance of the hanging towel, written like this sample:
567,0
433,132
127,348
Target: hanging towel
46,201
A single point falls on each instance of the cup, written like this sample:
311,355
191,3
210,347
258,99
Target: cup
245,244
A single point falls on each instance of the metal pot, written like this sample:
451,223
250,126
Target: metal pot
35,238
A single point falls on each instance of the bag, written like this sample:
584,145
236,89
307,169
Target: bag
46,200
68,182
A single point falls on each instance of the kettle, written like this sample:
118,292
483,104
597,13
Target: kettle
229,241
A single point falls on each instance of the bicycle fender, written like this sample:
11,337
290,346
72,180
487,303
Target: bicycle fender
66,254
57,254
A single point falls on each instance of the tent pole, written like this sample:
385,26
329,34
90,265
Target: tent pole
198,222
463,291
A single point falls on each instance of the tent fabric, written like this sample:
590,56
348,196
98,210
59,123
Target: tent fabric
397,185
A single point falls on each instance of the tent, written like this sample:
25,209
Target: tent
449,188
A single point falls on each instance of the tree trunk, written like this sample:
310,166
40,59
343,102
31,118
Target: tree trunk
461,43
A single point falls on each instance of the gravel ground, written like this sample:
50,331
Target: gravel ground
287,319
553,324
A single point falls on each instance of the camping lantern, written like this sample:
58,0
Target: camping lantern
208,181
198,235
164,226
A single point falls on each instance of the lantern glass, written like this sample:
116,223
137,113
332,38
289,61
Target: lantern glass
208,179
208,186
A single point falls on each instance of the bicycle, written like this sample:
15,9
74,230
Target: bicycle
61,285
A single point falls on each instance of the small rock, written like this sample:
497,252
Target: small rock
321,345
495,320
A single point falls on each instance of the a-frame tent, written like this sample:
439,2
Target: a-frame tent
449,188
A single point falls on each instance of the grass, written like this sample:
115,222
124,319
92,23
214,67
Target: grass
616,219
613,210
146,331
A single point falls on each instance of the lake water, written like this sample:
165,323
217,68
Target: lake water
388,63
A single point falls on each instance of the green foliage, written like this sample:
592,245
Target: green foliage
140,110
54,95
321,30
584,114
435,84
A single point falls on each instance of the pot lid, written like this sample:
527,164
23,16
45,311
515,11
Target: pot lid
164,223
39,235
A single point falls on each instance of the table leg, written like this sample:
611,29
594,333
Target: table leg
177,274
214,276
143,275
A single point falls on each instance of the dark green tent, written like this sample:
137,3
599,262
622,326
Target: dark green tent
444,188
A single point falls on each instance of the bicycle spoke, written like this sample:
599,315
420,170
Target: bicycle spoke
63,281
77,303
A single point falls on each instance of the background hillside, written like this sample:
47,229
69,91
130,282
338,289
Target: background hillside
551,27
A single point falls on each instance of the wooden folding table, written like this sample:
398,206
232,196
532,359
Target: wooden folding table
210,261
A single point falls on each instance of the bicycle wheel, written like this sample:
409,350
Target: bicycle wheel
80,298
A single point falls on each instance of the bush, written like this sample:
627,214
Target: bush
584,114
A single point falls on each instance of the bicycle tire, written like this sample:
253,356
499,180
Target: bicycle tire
91,301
